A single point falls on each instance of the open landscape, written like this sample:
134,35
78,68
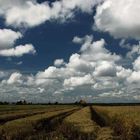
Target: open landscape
69,69
69,122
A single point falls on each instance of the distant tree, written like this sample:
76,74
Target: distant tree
4,103
56,103
24,102
49,103
76,102
1,103
18,102
21,102
82,102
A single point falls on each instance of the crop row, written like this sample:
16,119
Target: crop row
21,128
125,120
75,123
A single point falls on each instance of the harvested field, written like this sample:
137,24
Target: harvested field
70,122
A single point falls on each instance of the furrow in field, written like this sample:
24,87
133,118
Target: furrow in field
80,126
20,128
95,116
50,128
12,108
26,108
10,117
124,120
17,115
86,124
105,132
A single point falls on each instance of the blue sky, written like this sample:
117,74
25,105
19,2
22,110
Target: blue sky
52,40
69,50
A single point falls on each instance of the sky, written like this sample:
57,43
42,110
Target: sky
67,50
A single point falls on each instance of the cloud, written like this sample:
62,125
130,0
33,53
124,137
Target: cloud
119,18
7,4
114,94
8,38
18,51
92,73
30,13
85,41
96,51
3,74
14,78
105,68
19,63
85,7
134,51
77,64
59,62
134,77
123,73
77,40
136,64
85,76
78,81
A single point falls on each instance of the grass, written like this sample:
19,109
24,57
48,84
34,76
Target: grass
4,117
69,122
8,109
82,120
125,120
51,129
105,132
79,125
85,125
18,129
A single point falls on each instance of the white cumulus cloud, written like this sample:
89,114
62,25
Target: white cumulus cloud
30,13
8,38
105,68
18,51
85,75
59,62
15,78
79,81
119,17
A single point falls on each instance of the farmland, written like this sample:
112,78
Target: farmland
69,122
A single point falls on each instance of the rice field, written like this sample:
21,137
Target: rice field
69,122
